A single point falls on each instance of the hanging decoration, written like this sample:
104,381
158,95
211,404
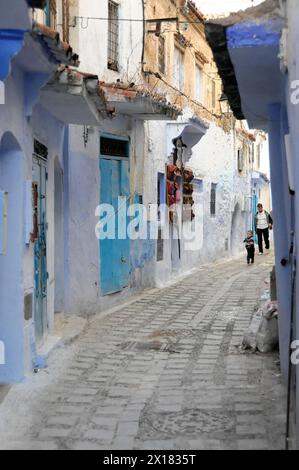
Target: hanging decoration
188,201
174,195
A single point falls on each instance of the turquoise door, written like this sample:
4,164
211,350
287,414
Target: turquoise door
40,246
115,253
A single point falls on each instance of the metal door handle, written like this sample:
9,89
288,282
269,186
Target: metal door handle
123,259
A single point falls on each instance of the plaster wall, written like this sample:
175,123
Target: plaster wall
23,130
82,280
213,160
90,38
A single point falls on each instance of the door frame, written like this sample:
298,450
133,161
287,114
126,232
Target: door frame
45,320
127,159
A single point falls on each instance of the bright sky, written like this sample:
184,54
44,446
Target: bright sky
221,6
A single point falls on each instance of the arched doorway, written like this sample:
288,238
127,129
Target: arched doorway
237,231
11,260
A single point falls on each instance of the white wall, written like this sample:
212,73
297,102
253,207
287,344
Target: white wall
214,161
82,282
92,43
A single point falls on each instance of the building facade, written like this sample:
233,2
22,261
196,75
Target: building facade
264,39
89,139
178,62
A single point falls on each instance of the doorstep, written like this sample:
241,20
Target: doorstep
66,330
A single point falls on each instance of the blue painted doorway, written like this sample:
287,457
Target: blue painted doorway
115,190
39,191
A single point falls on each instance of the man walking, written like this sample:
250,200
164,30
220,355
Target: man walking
263,222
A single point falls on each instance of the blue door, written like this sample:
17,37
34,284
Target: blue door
115,190
40,246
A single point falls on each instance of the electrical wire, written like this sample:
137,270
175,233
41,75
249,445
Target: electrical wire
157,75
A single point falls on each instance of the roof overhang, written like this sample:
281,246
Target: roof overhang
247,56
192,132
77,98
138,103
254,51
73,98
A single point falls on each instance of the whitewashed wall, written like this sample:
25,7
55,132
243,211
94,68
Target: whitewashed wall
214,160
90,38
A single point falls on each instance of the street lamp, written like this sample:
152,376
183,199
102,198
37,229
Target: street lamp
224,104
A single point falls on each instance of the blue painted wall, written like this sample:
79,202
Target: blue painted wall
11,272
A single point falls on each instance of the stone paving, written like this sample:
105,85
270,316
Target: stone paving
164,372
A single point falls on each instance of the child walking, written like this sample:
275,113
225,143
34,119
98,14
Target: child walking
250,247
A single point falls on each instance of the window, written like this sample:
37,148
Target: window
65,20
258,156
161,54
213,199
198,84
213,95
116,148
178,69
240,161
113,36
51,13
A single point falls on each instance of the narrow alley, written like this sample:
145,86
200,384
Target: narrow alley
163,372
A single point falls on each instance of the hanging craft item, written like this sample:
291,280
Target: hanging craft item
174,195
188,201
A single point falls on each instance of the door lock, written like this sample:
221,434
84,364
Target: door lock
123,259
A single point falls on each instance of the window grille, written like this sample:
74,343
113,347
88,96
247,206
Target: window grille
65,20
213,199
113,36
161,55
114,148
51,13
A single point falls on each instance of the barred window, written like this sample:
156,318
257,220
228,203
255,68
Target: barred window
213,97
161,54
240,160
113,36
213,199
51,13
65,20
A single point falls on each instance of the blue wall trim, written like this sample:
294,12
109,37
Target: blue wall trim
252,34
11,42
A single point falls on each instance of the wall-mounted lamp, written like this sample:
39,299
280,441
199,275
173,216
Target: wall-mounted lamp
224,104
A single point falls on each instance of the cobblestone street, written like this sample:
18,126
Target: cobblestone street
162,372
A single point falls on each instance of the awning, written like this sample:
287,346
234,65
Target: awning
79,98
190,132
193,132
